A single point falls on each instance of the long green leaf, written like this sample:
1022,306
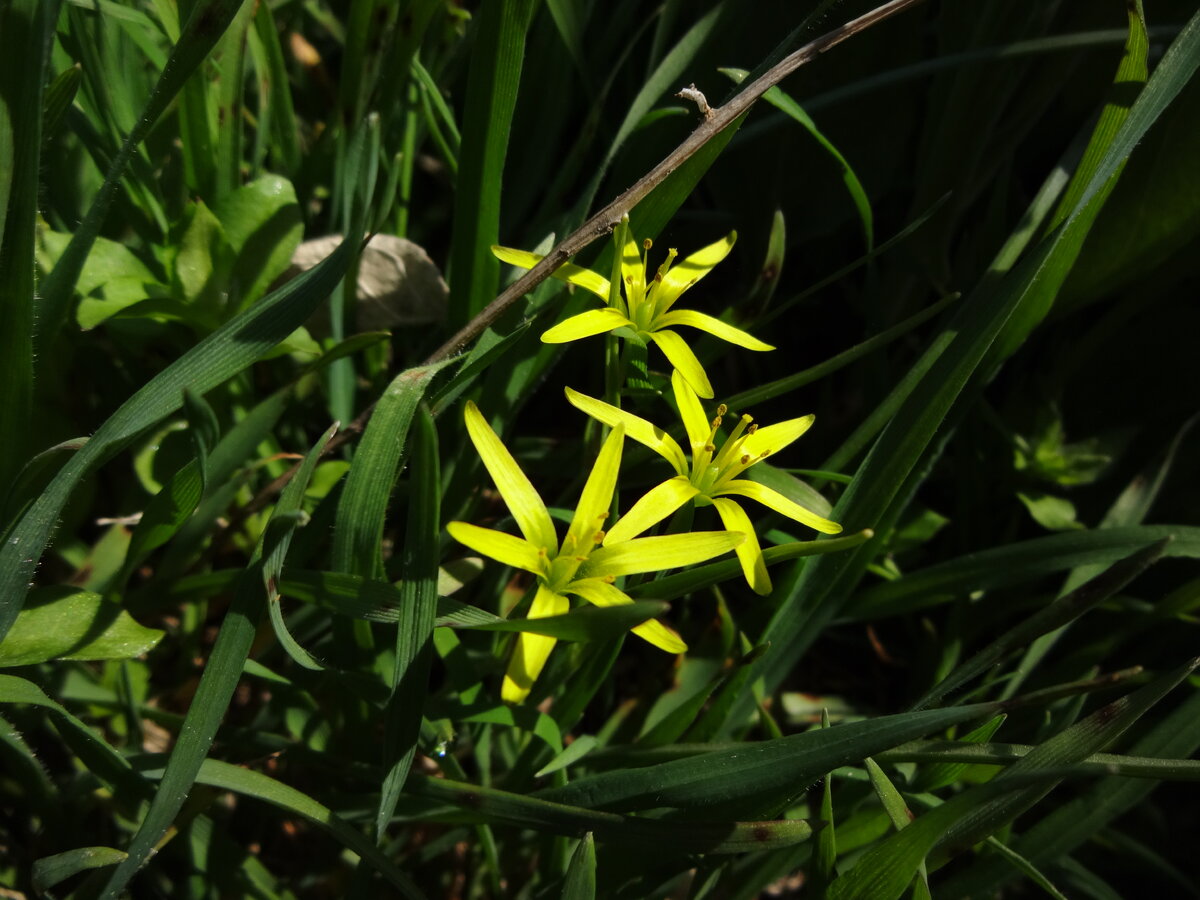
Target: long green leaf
1018,563
418,610
769,772
961,755
885,870
1057,614
559,818
1056,835
497,57
362,509
26,28
225,352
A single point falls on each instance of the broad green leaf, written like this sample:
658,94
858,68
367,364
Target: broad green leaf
231,348
50,870
70,623
202,259
1052,513
261,221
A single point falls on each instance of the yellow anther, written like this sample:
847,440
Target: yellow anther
710,448
716,423
722,409
752,429
745,459
598,537
610,578
603,515
647,244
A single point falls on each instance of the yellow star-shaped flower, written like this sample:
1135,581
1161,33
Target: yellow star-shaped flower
580,566
710,476
646,307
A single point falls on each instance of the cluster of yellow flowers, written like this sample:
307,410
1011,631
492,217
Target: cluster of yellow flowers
591,558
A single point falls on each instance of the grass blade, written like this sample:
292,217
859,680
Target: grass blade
418,610
26,27
496,62
533,812
1056,615
358,532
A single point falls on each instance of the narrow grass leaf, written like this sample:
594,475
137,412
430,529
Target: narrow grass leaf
786,104
26,27
1056,615
497,57
1018,563
418,611
963,754
680,837
225,352
899,814
1065,749
940,774
778,769
362,509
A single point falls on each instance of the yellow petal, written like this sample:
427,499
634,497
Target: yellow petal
773,438
508,549
781,504
532,650
577,275
658,503
683,276
596,498
653,554
586,324
713,326
680,355
599,592
636,428
633,271
749,553
698,428
522,500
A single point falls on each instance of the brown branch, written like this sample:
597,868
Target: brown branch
716,120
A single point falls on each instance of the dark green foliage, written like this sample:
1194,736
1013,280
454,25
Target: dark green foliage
244,657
